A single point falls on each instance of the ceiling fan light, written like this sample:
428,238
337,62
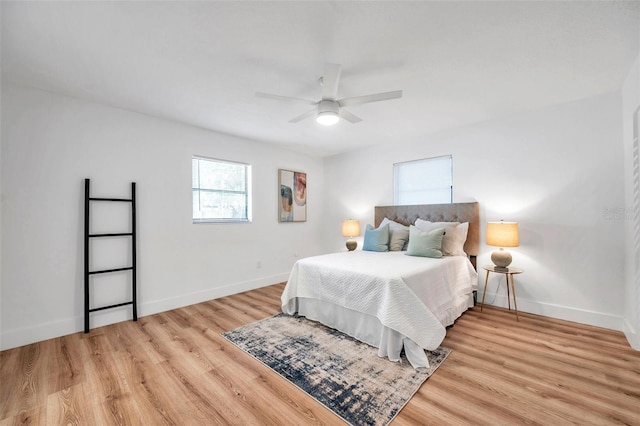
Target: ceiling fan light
327,118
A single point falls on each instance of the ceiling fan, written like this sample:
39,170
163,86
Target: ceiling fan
329,110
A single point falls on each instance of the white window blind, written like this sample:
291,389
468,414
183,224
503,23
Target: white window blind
221,190
426,181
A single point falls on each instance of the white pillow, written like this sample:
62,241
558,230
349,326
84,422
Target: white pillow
461,238
398,235
454,237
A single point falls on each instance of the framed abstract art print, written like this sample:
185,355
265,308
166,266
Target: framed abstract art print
292,200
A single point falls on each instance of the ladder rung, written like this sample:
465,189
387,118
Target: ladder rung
111,306
110,199
104,271
121,234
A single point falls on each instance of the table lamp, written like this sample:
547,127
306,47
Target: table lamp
350,229
502,234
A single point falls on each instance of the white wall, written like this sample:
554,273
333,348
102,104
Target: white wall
557,171
51,143
1,203
630,214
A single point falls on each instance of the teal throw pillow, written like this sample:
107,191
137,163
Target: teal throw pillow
376,239
425,244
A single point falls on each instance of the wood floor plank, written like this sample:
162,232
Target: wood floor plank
26,390
68,407
176,368
65,363
34,416
145,385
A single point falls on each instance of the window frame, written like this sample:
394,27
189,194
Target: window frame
397,192
247,192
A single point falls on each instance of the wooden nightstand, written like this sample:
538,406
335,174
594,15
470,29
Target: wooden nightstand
509,273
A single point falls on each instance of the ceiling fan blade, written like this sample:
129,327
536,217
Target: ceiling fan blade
284,98
370,98
330,81
301,117
349,117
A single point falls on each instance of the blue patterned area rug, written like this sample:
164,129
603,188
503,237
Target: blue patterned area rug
343,374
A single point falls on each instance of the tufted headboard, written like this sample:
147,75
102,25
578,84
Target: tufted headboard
457,212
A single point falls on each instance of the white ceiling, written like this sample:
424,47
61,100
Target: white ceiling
201,63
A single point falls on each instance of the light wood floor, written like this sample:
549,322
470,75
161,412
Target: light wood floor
174,368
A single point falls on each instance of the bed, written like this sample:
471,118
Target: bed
390,300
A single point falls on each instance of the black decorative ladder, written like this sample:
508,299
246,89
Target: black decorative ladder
87,236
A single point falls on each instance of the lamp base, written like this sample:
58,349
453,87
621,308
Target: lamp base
351,245
501,258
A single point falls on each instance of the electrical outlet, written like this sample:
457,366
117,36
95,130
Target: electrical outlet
259,264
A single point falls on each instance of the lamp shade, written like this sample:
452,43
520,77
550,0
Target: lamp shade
502,234
350,228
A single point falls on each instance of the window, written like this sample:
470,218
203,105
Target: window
426,181
221,191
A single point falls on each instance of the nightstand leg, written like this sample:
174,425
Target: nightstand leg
508,292
484,293
513,287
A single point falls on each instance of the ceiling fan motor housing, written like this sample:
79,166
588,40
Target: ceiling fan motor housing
328,106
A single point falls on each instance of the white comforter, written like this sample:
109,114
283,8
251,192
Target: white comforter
412,298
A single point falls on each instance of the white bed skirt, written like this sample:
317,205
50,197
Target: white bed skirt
369,329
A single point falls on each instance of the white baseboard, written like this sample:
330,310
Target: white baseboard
598,319
24,336
202,296
632,335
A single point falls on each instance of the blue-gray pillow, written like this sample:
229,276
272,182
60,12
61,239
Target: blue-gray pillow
425,244
376,239
398,235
